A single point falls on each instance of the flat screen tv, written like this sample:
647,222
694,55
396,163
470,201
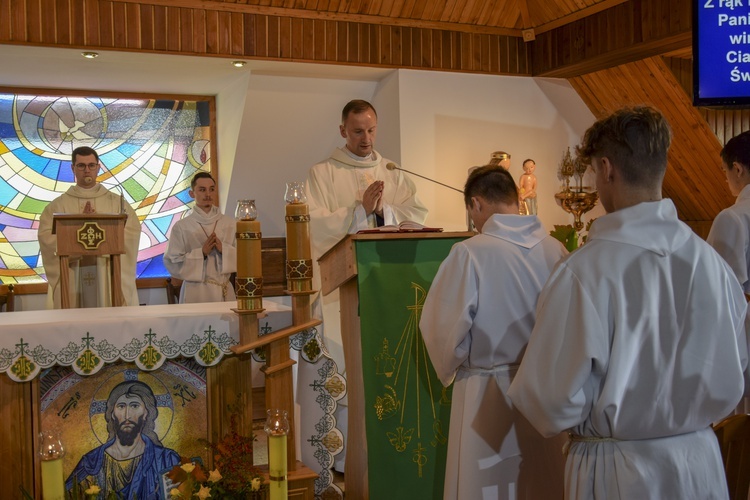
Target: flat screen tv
721,52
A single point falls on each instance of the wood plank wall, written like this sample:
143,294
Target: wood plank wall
127,25
624,33
726,122
16,440
694,180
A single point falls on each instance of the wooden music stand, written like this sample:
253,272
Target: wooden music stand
90,234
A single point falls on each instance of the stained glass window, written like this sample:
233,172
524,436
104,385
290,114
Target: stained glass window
149,150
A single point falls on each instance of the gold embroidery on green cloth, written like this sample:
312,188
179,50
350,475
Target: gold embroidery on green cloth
387,405
419,458
209,353
149,357
22,368
385,363
87,361
400,438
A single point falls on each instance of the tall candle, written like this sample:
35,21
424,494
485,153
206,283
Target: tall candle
298,253
249,280
277,466
53,485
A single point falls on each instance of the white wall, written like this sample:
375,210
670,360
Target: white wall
289,124
434,123
275,120
451,122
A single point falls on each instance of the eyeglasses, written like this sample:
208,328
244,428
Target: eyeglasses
90,166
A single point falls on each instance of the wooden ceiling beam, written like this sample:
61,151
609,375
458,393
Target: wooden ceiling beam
525,17
575,16
625,32
293,13
635,52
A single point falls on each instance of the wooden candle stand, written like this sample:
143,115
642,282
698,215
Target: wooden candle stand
280,388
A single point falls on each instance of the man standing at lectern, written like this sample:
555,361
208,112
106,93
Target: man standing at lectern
89,275
353,189
349,191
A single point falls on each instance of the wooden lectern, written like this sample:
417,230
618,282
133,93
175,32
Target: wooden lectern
90,234
339,268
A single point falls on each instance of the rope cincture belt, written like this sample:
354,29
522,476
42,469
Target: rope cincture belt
577,438
222,285
493,370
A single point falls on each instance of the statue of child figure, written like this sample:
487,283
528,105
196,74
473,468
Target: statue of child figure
527,187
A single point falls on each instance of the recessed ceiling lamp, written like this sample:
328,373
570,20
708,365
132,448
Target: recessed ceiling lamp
90,55
238,64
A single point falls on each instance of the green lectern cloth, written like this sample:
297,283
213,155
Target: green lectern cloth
407,410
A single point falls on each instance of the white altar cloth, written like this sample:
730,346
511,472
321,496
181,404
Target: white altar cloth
87,339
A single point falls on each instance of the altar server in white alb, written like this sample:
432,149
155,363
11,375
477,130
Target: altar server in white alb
475,322
202,247
353,189
640,342
730,231
89,275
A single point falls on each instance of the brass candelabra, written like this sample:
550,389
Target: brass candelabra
579,199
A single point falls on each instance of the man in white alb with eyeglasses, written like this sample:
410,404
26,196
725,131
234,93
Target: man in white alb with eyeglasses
89,275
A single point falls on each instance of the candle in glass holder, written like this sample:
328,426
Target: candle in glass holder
277,427
298,253
249,279
277,467
51,453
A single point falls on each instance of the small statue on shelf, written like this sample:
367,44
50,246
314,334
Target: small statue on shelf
527,187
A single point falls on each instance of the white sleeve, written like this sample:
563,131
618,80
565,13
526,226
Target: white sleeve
448,313
729,237
182,262
568,345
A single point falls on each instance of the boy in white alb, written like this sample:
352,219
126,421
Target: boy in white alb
476,332
640,341
202,249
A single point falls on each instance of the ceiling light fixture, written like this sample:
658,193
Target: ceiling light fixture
90,55
238,64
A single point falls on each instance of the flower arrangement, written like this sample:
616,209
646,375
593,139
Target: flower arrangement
234,475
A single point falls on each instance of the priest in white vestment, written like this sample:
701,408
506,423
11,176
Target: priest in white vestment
353,189
350,191
640,340
89,275
475,322
202,247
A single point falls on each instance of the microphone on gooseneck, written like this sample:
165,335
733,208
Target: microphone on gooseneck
392,166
